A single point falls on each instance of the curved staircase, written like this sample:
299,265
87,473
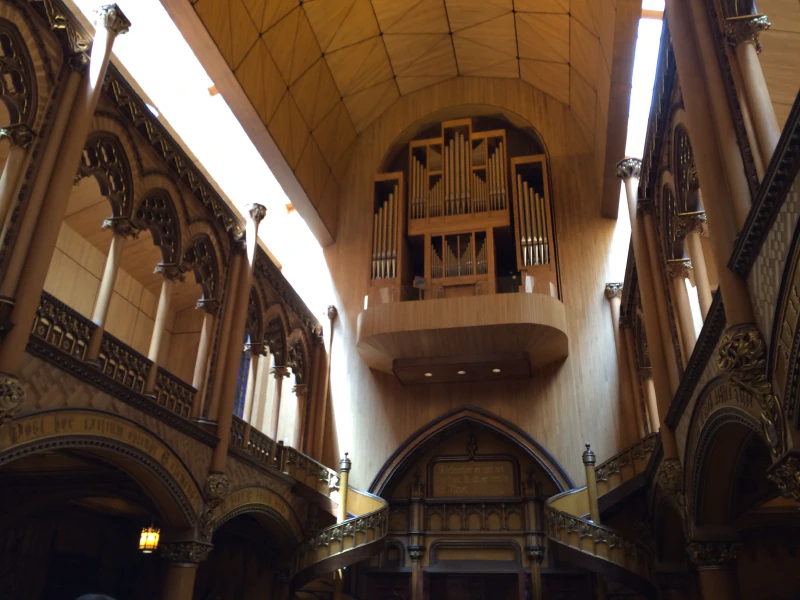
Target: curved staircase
596,547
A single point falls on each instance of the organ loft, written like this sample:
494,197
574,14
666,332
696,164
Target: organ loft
399,300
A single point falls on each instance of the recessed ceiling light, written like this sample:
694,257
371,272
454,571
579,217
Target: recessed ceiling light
428,374
462,372
495,370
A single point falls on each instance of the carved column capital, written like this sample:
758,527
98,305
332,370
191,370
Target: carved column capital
714,555
188,553
121,226
679,267
535,553
256,348
18,135
744,29
613,290
11,397
113,19
79,62
209,305
670,477
301,389
645,373
257,212
217,488
686,223
280,372
331,313
742,356
170,271
416,553
629,168
786,475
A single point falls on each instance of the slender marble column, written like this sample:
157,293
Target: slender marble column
716,567
628,170
210,308
20,137
633,376
256,352
646,375
230,369
301,393
122,228
742,33
170,273
279,373
690,226
678,273
37,261
613,294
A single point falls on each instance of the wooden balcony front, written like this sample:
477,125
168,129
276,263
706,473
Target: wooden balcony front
471,338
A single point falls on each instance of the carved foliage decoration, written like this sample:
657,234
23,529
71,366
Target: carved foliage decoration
254,316
673,247
686,182
157,214
16,75
297,361
201,258
275,339
104,159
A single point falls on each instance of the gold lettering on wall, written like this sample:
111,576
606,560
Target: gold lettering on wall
36,428
473,479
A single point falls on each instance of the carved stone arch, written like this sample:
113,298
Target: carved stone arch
276,334
254,324
200,257
146,458
152,178
104,158
423,438
271,509
17,76
221,243
156,213
298,356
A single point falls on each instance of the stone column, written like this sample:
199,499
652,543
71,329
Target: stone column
200,377
628,170
278,373
170,274
416,536
36,262
182,559
633,377
122,229
689,227
589,461
742,33
229,370
646,376
20,136
256,352
678,273
710,168
301,393
645,207
716,567
613,294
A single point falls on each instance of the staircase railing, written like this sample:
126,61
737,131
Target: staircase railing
596,547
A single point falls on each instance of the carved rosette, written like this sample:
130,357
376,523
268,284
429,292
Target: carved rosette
629,168
113,19
679,267
613,290
740,30
742,357
18,135
786,475
189,553
686,223
121,226
416,553
11,397
714,555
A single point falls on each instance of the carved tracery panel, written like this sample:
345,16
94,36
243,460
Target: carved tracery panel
157,214
297,361
201,258
16,75
275,338
104,159
686,182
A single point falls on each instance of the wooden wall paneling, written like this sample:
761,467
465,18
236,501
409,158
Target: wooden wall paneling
780,49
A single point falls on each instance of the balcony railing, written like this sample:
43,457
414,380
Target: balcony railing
61,327
122,363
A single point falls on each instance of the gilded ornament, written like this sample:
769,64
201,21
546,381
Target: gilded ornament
11,397
185,553
786,475
170,272
746,28
670,477
687,223
714,555
217,488
742,356
613,290
18,135
629,168
679,267
113,19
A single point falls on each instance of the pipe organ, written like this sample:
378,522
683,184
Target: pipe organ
478,217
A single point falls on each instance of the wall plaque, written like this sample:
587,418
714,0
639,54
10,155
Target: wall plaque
473,478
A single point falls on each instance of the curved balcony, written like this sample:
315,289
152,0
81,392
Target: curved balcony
496,336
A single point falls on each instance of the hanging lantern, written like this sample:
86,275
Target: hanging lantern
148,540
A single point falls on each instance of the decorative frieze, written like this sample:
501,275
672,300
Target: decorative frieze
189,553
714,555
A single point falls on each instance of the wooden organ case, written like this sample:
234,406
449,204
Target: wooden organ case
466,213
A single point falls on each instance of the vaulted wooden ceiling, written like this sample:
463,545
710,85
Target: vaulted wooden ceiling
320,71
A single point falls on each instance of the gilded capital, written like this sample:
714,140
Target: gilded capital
113,19
613,290
739,30
121,226
687,223
257,212
629,168
18,135
256,348
11,397
714,555
301,389
170,271
190,553
678,267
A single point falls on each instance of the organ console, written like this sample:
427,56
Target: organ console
476,221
